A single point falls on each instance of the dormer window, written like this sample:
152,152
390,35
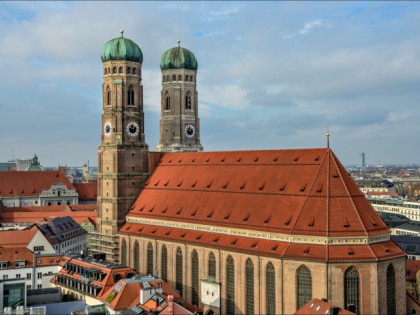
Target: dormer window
4,264
20,263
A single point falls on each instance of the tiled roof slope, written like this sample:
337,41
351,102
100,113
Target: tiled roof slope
299,192
30,183
12,239
87,191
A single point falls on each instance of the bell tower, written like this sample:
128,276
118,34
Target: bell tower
179,122
123,152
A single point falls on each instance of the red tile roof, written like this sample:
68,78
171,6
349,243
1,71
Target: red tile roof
16,253
30,183
317,306
41,217
13,238
412,266
301,192
87,191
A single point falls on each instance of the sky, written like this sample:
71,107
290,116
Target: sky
271,75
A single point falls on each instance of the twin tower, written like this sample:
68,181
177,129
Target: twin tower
124,160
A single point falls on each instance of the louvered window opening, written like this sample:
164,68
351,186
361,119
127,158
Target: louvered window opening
150,259
194,280
249,276
303,286
270,289
124,253
230,286
212,266
136,256
390,291
164,263
179,276
351,289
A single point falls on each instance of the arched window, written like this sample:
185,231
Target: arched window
351,289
168,103
212,265
150,259
194,277
164,264
191,78
303,286
390,290
124,252
174,77
108,96
179,277
230,285
128,70
270,289
134,71
249,284
130,96
120,70
114,70
136,250
188,101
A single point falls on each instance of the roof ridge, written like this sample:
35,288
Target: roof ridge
307,195
351,199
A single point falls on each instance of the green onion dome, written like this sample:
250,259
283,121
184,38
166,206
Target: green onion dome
178,58
121,48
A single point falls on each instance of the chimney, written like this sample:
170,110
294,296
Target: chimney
171,304
334,310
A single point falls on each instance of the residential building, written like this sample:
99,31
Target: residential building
409,244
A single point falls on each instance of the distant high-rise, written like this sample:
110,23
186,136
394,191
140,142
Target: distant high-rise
362,159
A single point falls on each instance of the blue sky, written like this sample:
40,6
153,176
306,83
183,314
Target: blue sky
271,75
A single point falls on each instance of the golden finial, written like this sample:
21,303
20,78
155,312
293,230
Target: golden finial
122,32
179,42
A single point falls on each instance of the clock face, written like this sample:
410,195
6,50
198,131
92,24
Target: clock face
189,131
132,129
107,128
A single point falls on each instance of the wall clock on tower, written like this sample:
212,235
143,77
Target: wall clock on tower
189,131
107,128
132,129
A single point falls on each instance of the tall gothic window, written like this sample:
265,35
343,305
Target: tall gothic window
179,276
230,285
168,103
130,96
164,263
390,290
188,101
270,289
124,252
249,283
150,259
303,286
136,256
212,265
108,96
351,289
194,276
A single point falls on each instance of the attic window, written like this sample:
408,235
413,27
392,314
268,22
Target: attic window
247,217
151,209
216,240
198,237
385,249
170,161
179,211
154,231
296,159
193,160
142,208
302,189
254,245
193,184
351,252
233,242
210,214
179,161
319,189
306,250
167,233
164,210
222,160
23,190
225,185
207,160
209,184
179,184
242,186
311,222
194,213
33,191
256,159
267,220
335,174
274,247
373,222
183,235
282,187
140,229
346,223
166,184
287,222
275,159
147,183
227,216
238,160
157,183
261,186
127,228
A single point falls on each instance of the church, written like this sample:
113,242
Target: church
235,232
